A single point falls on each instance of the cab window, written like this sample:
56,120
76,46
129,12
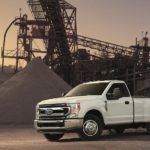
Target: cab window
117,91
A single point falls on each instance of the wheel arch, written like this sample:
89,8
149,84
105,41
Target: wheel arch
96,113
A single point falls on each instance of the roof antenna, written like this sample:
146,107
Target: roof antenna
142,33
20,10
146,34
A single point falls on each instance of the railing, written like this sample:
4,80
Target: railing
105,47
13,54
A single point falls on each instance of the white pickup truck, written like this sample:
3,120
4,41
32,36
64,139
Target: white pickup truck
91,107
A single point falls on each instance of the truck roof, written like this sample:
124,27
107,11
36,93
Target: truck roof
104,81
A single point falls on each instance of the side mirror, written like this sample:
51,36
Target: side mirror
110,96
117,93
63,94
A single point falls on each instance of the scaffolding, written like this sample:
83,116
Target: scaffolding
75,57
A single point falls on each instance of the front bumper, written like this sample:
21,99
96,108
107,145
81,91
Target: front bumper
58,126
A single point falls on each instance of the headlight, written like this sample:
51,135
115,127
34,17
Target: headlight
74,110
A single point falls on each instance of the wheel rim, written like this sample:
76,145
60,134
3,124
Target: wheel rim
90,127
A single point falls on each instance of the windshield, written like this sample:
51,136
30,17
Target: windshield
87,89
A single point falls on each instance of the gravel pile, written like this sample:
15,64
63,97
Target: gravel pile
5,76
20,94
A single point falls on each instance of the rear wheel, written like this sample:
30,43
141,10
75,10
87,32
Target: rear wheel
92,127
53,137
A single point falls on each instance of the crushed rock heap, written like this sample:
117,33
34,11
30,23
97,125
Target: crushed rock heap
5,76
20,94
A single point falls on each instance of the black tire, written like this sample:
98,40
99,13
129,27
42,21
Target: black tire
119,130
148,128
53,137
92,128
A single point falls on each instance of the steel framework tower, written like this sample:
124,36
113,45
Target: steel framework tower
62,32
70,54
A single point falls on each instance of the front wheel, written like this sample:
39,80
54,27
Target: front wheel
92,127
53,137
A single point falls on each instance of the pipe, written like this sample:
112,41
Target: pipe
4,40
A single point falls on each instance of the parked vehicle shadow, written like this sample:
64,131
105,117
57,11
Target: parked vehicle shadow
127,136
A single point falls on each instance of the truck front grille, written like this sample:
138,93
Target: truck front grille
53,112
60,124
50,118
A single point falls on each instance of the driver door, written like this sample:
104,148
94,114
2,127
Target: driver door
120,109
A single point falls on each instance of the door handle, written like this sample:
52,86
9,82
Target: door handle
106,106
127,102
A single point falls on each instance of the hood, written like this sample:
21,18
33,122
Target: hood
68,100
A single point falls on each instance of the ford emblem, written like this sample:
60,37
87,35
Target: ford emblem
49,111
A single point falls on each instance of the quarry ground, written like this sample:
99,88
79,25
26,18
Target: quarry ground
26,138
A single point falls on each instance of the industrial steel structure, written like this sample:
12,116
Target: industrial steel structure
74,57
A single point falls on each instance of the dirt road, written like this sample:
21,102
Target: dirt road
26,138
